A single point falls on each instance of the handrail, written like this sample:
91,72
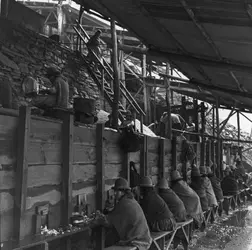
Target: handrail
125,93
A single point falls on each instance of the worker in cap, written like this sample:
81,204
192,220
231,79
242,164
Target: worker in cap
157,213
198,187
190,199
126,223
175,176
203,170
173,202
94,50
216,184
212,201
55,97
229,184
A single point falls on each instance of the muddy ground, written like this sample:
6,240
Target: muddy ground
232,232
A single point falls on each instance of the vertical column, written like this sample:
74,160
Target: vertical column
174,153
218,149
100,176
202,149
238,126
145,91
116,83
23,139
67,166
161,158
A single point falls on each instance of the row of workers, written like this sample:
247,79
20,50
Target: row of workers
130,222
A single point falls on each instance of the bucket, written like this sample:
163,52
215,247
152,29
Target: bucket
84,105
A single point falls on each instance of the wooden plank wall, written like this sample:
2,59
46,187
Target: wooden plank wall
44,181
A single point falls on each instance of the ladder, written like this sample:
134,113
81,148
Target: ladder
103,75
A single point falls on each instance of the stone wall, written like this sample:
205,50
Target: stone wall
26,53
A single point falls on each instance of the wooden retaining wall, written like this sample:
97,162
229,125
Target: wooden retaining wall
39,159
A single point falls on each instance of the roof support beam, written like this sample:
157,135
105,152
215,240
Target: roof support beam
207,38
211,62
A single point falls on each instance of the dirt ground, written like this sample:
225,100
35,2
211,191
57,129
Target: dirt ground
233,232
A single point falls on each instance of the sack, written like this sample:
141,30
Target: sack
134,176
130,140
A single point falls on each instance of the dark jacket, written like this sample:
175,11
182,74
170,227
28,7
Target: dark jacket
174,203
130,223
216,184
198,187
155,209
229,185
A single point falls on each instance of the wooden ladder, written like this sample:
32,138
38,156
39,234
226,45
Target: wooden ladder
103,75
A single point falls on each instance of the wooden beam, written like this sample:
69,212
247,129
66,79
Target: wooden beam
206,36
4,8
203,146
100,178
192,59
67,166
232,112
143,153
23,141
218,153
145,90
122,75
238,126
245,116
116,82
168,127
174,153
161,158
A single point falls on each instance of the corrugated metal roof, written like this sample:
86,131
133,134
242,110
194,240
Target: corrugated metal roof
209,41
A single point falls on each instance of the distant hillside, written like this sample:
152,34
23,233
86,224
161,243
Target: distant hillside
231,132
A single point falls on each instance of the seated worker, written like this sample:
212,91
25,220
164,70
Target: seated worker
127,218
216,184
157,213
229,184
172,200
212,202
57,96
190,199
198,187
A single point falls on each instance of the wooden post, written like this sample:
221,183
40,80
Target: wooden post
221,158
238,126
60,14
126,167
174,153
202,149
143,153
168,126
213,121
195,105
23,140
145,91
208,153
67,166
161,158
218,151
122,75
116,83
4,8
100,178
213,152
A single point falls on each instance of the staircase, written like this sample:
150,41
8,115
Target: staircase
104,75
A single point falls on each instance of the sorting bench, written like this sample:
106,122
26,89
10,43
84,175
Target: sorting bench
159,238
